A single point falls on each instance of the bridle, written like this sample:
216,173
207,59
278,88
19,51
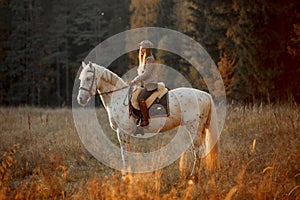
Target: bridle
100,93
91,87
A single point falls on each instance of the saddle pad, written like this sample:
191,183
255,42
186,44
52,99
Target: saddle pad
159,108
158,94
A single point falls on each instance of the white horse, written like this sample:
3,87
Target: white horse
189,107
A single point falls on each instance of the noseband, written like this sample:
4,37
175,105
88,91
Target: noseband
91,87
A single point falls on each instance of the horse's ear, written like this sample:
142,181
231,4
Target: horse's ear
83,64
91,65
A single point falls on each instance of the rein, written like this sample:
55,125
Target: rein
108,92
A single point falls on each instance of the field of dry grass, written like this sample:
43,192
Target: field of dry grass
42,157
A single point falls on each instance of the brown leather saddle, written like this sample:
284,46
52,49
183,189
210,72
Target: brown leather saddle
157,103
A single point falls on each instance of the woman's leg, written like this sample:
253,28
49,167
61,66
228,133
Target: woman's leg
142,103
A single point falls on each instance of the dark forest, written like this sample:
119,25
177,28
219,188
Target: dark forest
255,44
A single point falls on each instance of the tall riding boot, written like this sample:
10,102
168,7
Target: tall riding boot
144,112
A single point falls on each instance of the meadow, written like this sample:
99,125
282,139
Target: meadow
42,157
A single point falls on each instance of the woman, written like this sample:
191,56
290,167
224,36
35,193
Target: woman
147,78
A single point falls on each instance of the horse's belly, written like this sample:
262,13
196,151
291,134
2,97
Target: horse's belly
162,124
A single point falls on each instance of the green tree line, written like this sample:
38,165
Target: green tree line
255,44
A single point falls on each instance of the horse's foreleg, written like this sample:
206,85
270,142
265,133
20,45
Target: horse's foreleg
124,147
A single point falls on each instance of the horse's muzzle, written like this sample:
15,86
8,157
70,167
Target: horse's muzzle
82,100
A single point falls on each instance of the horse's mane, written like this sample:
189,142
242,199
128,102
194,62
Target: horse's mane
109,76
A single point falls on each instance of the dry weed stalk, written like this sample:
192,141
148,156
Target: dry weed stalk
269,169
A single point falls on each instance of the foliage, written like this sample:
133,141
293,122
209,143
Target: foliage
23,61
254,43
47,41
294,47
248,40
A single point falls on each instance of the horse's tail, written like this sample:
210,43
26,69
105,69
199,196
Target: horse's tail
211,138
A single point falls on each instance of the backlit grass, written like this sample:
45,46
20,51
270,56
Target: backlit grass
42,157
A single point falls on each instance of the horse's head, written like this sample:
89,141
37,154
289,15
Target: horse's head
88,83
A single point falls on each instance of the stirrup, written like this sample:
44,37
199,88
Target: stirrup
139,130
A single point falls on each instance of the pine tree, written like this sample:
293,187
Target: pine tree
5,29
56,59
260,40
87,26
210,21
119,16
208,25
23,61
143,14
294,44
227,70
166,19
183,16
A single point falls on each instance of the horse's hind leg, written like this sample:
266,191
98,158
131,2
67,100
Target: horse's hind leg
210,151
204,152
192,134
211,139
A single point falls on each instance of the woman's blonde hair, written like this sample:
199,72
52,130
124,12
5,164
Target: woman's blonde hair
143,56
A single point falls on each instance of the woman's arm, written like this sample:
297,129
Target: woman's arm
149,69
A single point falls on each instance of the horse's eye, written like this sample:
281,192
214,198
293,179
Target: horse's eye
88,79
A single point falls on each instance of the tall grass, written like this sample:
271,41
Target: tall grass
41,157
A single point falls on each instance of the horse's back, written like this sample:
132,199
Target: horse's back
188,104
190,94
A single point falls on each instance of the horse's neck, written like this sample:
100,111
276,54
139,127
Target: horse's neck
108,81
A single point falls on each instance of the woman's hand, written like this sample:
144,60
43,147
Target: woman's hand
132,83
